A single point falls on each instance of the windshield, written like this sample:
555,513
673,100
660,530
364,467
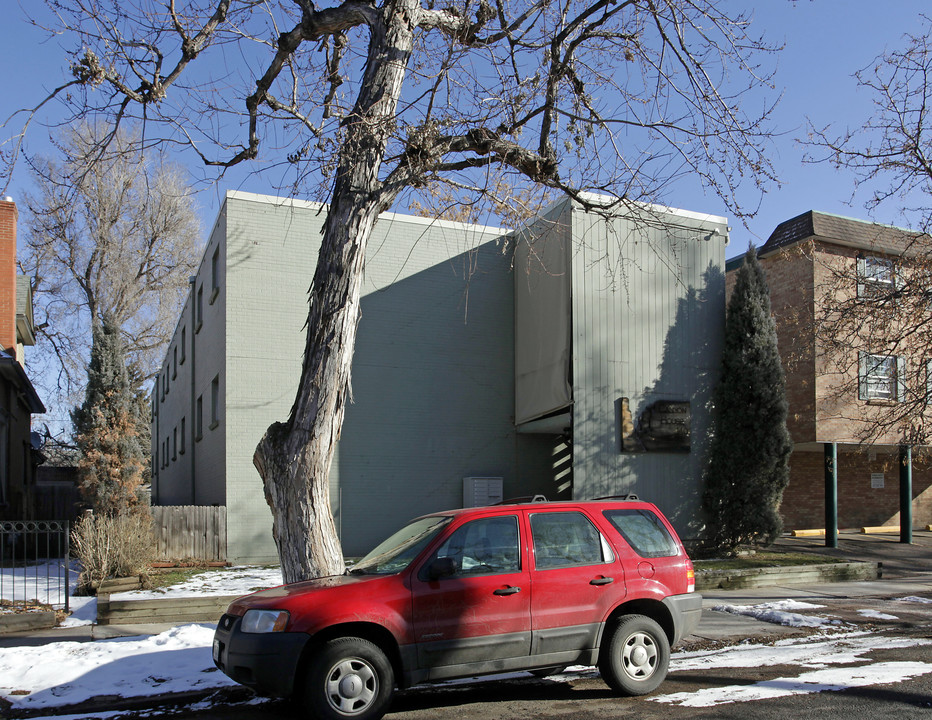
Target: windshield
396,553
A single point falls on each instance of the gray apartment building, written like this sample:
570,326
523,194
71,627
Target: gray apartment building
572,359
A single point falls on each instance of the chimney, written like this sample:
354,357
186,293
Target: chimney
8,217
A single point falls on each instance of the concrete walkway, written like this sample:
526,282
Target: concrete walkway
906,570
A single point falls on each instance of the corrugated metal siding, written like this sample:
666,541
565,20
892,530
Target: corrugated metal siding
648,316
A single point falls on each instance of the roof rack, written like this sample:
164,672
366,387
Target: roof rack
619,497
524,499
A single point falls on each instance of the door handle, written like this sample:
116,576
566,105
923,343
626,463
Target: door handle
510,590
602,581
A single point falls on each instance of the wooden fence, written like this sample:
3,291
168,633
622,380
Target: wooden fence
190,532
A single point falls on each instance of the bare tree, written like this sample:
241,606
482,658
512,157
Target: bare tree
873,314
891,153
108,231
375,100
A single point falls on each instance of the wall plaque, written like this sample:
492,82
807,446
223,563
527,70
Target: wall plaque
663,426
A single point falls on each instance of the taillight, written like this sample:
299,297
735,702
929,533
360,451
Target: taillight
690,577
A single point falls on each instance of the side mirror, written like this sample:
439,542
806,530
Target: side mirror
442,567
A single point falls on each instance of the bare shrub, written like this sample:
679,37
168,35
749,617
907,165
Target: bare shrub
112,547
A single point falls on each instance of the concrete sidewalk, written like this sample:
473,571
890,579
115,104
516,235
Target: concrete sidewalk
727,627
906,570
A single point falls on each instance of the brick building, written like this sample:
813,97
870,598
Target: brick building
19,457
836,395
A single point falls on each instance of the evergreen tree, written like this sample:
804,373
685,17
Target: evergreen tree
111,459
748,465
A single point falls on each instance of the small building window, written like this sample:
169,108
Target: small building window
880,377
174,444
199,418
876,277
215,402
214,275
184,341
199,309
175,363
183,439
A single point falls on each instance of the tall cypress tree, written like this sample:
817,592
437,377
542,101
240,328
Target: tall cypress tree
111,459
748,466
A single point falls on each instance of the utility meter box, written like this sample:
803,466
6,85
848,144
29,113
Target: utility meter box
482,491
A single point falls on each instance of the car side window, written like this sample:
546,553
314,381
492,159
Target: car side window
567,539
483,547
644,532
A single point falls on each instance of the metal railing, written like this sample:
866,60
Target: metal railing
35,563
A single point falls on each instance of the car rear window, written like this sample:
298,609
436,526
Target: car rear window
643,531
567,539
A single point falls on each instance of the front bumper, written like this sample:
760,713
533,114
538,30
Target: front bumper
265,662
686,611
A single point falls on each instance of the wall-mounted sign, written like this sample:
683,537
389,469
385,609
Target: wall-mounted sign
876,480
663,426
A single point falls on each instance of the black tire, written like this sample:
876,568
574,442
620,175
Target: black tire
635,656
349,678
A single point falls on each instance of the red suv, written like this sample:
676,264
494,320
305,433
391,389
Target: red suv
533,586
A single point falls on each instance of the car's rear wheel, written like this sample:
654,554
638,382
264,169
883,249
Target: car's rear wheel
349,678
635,658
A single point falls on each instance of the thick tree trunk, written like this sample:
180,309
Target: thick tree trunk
294,457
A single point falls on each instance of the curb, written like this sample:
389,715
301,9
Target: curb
106,703
787,575
20,622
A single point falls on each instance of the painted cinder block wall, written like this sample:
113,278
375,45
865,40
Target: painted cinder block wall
432,374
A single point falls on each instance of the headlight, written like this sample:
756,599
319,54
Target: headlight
264,621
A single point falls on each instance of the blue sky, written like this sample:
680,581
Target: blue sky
826,41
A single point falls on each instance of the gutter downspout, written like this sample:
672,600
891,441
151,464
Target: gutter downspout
192,426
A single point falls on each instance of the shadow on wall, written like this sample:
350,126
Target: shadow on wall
692,360
433,393
688,370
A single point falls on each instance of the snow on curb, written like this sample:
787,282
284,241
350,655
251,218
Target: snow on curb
779,613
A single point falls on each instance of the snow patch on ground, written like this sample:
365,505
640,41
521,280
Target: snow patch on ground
240,580
780,613
914,599
876,615
812,682
65,673
41,582
813,653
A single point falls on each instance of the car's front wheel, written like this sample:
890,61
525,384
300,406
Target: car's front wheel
635,656
349,678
